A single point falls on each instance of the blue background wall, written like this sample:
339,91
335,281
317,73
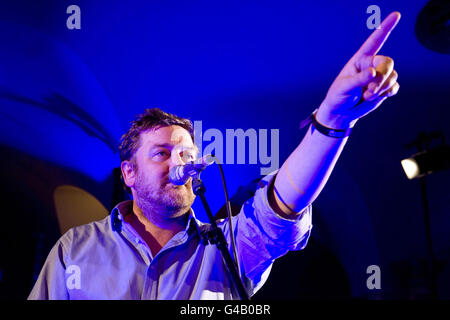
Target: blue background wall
66,96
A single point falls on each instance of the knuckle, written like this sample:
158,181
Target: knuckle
394,74
385,65
394,89
389,61
393,79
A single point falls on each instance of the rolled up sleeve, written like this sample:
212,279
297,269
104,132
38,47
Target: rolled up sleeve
263,236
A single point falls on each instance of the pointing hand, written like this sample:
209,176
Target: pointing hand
364,82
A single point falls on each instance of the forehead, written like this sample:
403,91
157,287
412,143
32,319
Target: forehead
170,135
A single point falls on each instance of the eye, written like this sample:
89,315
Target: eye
160,155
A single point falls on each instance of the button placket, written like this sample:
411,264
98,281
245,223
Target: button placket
151,282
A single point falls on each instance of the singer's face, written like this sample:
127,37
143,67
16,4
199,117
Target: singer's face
160,150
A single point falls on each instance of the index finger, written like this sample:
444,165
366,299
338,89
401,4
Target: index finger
376,40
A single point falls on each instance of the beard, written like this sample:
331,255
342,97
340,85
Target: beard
163,198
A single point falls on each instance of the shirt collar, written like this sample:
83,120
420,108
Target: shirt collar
126,207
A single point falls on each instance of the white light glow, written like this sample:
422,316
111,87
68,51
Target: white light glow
410,167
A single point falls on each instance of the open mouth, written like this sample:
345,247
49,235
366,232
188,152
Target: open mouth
173,186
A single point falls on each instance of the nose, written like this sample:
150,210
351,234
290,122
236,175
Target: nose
176,158
180,155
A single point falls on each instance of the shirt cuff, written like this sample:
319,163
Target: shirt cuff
292,233
265,184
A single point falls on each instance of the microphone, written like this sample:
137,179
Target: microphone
180,174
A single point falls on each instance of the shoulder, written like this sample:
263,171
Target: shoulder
87,235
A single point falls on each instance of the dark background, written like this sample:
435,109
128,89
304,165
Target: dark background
66,96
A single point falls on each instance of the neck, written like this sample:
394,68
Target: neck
155,230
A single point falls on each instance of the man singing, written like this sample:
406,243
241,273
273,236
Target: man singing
153,246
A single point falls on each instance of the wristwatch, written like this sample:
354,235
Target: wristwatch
330,132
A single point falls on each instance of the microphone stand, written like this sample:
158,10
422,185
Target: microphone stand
216,236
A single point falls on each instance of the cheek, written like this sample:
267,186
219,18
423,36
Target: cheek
154,175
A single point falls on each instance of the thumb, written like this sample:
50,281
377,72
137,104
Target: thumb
359,80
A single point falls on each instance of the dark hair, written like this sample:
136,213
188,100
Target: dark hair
150,119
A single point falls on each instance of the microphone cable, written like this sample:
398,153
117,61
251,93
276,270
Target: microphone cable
228,206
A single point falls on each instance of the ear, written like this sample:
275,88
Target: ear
128,173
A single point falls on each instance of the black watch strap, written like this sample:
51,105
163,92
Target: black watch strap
334,133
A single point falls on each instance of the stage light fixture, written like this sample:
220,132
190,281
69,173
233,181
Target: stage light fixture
427,162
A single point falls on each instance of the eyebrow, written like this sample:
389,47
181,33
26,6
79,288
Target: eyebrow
162,145
169,146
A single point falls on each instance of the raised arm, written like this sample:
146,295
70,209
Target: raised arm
361,86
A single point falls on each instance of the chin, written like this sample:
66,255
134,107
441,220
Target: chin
180,199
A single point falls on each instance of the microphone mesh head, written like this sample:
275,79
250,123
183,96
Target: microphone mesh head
208,159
